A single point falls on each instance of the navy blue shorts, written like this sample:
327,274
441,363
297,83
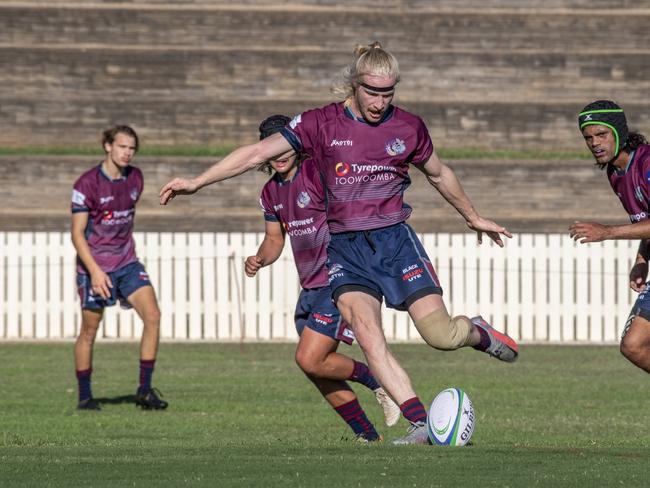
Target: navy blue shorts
388,263
641,308
316,311
126,280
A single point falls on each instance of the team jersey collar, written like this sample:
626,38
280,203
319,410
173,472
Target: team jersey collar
630,161
282,182
387,115
127,170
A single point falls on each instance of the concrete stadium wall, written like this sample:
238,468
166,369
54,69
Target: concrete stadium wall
493,74
528,196
195,73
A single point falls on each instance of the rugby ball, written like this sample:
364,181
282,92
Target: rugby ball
451,418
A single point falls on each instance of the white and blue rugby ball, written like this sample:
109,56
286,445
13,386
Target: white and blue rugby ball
451,418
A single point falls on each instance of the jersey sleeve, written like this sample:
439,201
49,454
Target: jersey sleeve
424,146
83,199
267,207
302,132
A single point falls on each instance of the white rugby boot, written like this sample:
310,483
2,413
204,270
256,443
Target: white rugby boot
417,434
390,408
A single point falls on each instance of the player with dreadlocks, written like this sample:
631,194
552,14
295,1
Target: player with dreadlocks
625,155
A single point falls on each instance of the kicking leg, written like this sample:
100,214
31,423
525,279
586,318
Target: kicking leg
443,332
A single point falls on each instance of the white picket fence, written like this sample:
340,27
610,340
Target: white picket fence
539,288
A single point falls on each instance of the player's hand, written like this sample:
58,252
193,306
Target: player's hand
177,186
584,232
638,275
252,265
492,229
101,284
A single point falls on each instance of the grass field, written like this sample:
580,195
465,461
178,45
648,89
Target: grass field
561,416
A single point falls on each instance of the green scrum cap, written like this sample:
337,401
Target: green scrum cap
609,114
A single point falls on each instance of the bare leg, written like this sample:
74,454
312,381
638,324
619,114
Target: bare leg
635,346
83,347
363,313
145,304
316,355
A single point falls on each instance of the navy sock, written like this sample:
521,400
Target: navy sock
361,374
413,410
146,372
356,418
83,380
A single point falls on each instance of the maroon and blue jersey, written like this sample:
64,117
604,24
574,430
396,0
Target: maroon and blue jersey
111,211
365,167
632,186
299,206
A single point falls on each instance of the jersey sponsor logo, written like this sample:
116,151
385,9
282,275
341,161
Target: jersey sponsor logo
395,146
362,173
134,195
277,207
303,199
342,169
335,272
336,142
103,200
638,217
116,217
78,198
412,273
323,319
335,268
295,121
299,228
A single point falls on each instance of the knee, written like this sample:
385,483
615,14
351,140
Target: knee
151,318
442,332
631,349
307,363
88,333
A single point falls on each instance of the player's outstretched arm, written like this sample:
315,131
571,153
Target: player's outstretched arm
269,251
237,162
585,232
443,179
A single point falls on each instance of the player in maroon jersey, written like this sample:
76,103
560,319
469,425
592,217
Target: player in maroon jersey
293,204
108,270
625,156
364,147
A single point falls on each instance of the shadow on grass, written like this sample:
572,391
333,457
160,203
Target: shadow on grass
116,400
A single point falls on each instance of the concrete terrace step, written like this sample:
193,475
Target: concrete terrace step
165,122
527,196
324,27
350,4
69,73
